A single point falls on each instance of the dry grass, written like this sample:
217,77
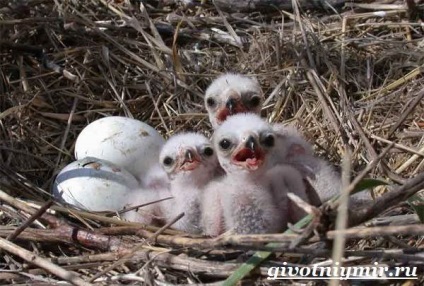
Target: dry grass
348,81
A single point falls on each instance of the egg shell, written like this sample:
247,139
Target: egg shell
94,185
128,143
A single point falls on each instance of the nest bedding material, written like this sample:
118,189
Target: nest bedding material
351,80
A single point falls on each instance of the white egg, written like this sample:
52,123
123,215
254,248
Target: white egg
126,142
94,185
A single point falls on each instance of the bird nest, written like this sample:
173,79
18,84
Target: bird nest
351,80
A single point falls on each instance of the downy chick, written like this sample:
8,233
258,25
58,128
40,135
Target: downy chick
191,163
252,196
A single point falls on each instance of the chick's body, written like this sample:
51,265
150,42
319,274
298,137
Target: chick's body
154,187
252,196
293,149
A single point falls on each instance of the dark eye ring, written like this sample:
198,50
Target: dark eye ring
268,140
167,161
225,144
210,102
255,101
208,151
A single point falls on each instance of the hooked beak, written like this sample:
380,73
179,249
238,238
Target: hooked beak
233,105
189,156
251,143
190,159
230,105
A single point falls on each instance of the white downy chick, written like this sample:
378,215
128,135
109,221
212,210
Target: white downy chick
230,94
191,163
252,197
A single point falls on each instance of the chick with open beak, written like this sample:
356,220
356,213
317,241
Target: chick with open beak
243,145
191,163
231,94
252,197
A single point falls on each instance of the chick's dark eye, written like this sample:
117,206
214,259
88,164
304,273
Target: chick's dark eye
225,144
255,101
167,161
268,140
210,102
208,151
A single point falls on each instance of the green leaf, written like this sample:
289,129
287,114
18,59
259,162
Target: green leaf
259,257
368,183
417,203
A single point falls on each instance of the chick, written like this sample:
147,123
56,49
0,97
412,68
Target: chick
252,196
230,94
